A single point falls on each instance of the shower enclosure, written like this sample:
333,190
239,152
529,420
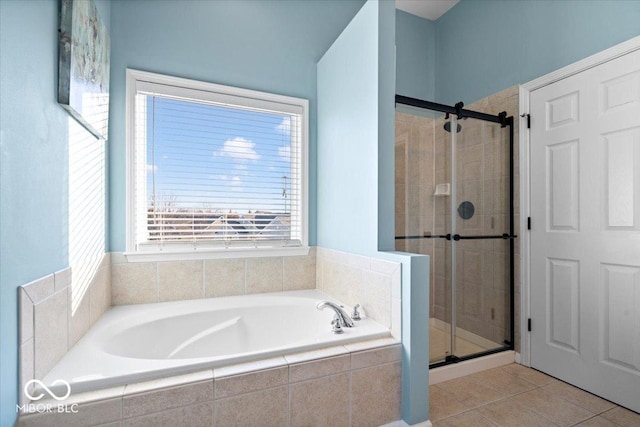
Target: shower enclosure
454,202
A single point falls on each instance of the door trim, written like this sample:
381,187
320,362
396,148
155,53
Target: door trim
606,55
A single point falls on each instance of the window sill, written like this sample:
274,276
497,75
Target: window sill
215,254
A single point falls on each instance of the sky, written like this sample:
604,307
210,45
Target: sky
216,157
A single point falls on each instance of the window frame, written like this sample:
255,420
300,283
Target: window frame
136,79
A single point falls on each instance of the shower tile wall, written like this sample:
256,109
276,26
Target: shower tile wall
423,158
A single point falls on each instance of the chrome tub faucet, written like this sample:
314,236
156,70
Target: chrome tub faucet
341,318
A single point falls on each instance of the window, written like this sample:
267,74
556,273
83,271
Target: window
213,169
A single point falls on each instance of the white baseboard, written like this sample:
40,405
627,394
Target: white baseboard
468,367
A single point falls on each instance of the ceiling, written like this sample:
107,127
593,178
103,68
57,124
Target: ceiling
429,9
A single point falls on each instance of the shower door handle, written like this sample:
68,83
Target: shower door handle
504,236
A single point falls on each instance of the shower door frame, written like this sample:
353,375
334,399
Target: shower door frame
503,121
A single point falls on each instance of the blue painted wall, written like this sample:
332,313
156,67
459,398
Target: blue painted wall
347,154
484,46
415,56
33,168
270,46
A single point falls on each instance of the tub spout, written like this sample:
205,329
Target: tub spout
342,319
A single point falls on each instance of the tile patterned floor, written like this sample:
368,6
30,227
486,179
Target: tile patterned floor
518,396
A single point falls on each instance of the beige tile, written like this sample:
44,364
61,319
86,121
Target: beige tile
118,258
396,318
50,332
224,277
471,418
79,319
299,273
500,380
343,283
62,279
167,382
106,261
579,397
597,421
265,408
375,396
95,395
40,289
198,415
371,344
375,297
94,413
443,404
26,367
508,413
470,393
264,275
558,410
168,398
26,316
622,416
111,394
319,368
107,289
246,383
97,295
320,402
384,266
180,280
528,374
244,368
134,283
307,356
363,359
113,424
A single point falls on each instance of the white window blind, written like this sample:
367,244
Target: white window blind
215,169
86,218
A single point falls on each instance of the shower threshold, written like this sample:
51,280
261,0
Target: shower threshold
467,343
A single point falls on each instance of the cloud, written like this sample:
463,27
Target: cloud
285,125
236,184
285,152
152,168
238,148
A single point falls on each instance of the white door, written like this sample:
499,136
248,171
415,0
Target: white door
585,237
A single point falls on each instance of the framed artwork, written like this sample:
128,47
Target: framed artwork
83,68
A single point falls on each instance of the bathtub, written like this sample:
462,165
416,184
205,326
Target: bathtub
141,342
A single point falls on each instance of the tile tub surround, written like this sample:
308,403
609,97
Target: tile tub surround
350,278
352,385
48,327
148,282
373,283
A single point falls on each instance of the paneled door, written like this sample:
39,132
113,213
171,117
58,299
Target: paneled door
585,237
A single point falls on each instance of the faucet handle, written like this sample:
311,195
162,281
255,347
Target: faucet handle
355,314
337,327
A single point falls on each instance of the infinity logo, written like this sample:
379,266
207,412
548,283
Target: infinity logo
52,394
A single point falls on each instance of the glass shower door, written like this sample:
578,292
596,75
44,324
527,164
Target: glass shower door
453,203
481,224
